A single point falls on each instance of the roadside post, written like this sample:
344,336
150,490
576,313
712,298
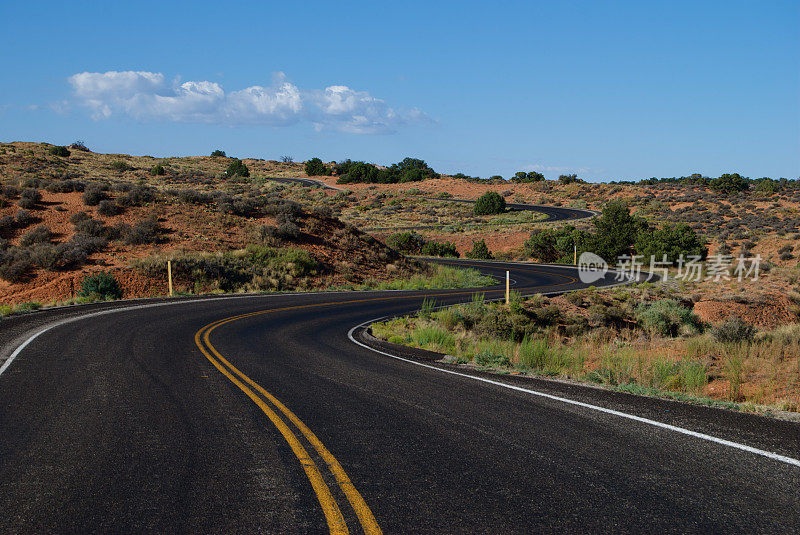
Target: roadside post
169,276
508,288
576,255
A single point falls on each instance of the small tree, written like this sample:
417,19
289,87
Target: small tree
237,168
59,151
542,245
489,203
80,145
315,167
568,179
480,251
218,154
287,159
730,183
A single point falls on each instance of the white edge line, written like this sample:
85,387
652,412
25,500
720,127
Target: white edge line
59,323
655,423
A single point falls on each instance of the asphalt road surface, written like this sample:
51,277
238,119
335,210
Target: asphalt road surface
258,414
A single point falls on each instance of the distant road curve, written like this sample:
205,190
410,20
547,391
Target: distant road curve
552,213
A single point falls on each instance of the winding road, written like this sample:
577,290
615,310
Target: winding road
271,414
551,213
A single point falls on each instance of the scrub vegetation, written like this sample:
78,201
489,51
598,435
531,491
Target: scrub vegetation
636,339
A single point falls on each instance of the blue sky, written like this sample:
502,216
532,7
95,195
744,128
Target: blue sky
609,90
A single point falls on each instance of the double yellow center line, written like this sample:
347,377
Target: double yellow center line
271,407
268,405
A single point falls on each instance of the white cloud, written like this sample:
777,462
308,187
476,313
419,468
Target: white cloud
147,96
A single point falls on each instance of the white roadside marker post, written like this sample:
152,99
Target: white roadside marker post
508,288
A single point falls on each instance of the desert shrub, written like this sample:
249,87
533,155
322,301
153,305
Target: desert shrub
59,151
489,203
75,252
93,195
237,168
13,269
443,249
277,206
9,192
7,224
79,145
480,251
668,317
218,154
316,167
288,230
733,330
77,217
193,196
266,234
406,242
23,218
158,170
108,207
121,166
101,286
322,212
45,255
40,234
29,197
256,268
143,232
137,196
64,186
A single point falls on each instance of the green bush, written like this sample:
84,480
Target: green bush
569,179
667,317
315,167
59,151
100,286
218,154
158,170
407,170
542,245
237,168
480,251
489,203
522,177
119,165
733,330
442,249
406,242
671,241
730,183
